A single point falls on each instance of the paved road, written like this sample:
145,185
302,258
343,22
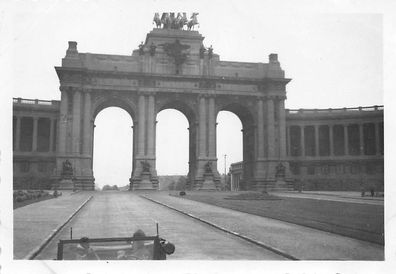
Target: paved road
298,241
34,223
119,214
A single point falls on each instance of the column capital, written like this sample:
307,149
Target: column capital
269,97
206,95
145,93
76,89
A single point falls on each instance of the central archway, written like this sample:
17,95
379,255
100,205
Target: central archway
186,108
172,147
112,148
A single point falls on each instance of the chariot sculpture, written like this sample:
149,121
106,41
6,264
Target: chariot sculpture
169,20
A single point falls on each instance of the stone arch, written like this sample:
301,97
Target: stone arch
181,105
112,101
187,108
244,114
102,102
248,121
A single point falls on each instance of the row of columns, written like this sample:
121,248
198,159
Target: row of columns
146,126
35,133
267,130
78,145
331,139
269,135
207,128
76,129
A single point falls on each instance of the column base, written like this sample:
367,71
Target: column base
145,182
208,182
73,183
273,185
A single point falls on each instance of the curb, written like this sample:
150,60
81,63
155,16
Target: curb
32,254
246,238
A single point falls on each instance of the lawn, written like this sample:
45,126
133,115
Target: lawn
361,221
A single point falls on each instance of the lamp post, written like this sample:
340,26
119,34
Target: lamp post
225,169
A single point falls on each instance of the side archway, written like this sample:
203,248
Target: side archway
249,140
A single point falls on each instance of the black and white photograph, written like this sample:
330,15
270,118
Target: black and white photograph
212,136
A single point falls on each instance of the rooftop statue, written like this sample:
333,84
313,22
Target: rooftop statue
168,20
176,51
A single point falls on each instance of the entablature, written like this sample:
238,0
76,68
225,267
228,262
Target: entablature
127,80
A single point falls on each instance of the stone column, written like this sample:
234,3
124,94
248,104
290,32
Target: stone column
361,139
87,124
331,140
260,128
141,126
63,121
51,136
202,126
270,129
34,141
151,127
92,142
288,150
282,128
211,129
346,145
316,127
377,139
133,148
302,141
76,122
18,134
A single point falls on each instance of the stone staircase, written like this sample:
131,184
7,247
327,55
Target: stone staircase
280,185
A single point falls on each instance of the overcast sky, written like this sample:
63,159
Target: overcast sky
334,60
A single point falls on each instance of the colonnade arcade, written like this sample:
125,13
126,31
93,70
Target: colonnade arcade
262,118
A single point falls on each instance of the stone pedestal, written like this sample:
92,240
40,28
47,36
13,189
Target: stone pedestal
208,182
66,184
144,183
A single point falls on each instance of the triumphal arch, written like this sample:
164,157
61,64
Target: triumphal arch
174,69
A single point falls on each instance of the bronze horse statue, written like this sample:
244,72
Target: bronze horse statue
157,20
193,21
169,21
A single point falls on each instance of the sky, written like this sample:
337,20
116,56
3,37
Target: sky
334,58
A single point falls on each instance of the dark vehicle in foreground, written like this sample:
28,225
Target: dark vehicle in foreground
138,247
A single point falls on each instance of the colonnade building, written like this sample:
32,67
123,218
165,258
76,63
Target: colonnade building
332,149
172,69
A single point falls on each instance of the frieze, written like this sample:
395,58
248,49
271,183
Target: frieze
71,77
209,84
147,82
272,86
